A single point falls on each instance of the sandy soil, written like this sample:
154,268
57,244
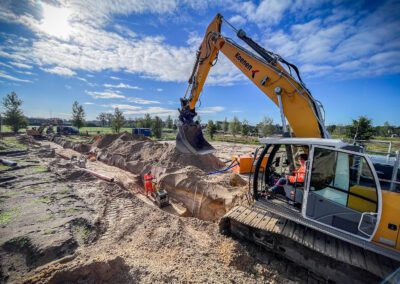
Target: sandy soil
63,225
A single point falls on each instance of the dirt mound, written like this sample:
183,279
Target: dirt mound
82,147
107,139
110,271
141,153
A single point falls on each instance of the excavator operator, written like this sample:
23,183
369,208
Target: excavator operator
297,177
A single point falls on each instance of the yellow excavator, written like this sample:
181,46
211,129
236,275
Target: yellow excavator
342,222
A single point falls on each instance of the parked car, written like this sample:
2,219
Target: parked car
67,130
142,131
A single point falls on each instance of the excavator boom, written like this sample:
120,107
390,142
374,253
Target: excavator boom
265,69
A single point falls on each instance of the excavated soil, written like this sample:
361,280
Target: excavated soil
61,225
184,176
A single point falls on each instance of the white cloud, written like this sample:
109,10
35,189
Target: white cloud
25,72
125,107
104,95
360,44
88,103
210,110
62,71
266,12
139,110
237,20
5,64
93,49
340,42
159,90
82,79
12,78
68,87
122,86
124,31
141,101
21,65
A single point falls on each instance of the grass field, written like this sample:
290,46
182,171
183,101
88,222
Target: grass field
169,134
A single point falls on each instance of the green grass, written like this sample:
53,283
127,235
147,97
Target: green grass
46,199
71,210
11,144
39,169
4,167
7,216
8,129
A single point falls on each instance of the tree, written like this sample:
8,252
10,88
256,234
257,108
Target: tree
266,127
245,128
175,125
78,115
147,121
331,128
109,118
103,118
361,129
225,126
387,130
169,122
156,127
118,120
212,128
13,116
235,126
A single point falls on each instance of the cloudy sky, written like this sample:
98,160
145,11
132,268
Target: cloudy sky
137,55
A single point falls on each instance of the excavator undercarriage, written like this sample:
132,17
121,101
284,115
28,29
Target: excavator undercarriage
328,257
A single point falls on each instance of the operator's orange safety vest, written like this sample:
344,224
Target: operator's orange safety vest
299,175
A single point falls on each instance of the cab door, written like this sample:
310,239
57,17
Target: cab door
342,191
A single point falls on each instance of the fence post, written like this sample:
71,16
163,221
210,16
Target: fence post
395,170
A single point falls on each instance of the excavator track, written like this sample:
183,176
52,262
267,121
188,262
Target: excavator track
328,257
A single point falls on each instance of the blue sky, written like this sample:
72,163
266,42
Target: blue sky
137,55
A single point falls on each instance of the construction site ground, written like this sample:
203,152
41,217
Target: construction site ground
61,224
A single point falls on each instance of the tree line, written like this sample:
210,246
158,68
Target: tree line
359,129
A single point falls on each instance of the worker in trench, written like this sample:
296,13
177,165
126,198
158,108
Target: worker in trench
148,183
297,177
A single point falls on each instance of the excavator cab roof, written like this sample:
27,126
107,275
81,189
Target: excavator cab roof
336,143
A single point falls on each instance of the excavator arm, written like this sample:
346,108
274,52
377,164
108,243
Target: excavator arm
265,69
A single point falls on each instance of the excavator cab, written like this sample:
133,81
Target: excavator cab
339,190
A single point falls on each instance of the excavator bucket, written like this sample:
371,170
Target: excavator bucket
190,139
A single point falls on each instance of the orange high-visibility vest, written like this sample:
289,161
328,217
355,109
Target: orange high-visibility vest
299,175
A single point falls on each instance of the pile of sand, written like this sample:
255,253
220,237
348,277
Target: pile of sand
135,153
184,176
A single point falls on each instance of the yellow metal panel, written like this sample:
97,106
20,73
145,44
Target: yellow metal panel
390,215
245,163
360,204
